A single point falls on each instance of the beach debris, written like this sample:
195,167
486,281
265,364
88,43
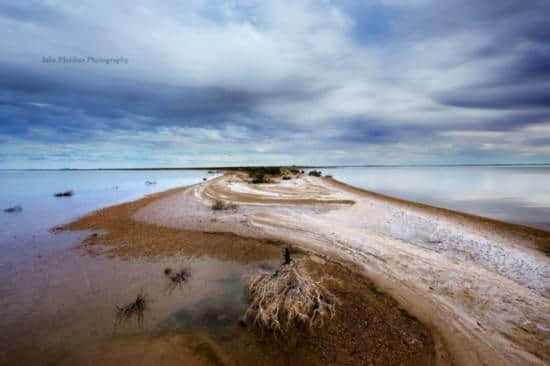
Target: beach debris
286,177
63,194
150,182
91,239
288,298
204,179
181,276
56,229
315,173
177,279
219,205
13,209
134,309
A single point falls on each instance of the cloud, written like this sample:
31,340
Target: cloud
386,81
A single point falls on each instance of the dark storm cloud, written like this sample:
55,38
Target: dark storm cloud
509,98
112,100
30,11
513,19
76,112
513,52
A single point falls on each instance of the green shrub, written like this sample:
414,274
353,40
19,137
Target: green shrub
262,174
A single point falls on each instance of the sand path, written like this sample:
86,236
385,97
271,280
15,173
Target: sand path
482,286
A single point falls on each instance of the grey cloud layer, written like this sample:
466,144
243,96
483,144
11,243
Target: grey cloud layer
387,81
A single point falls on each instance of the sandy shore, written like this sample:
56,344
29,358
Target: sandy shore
481,286
369,328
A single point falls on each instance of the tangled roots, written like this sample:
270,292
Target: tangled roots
288,298
134,309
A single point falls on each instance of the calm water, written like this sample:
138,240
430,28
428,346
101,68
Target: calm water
33,191
57,302
518,194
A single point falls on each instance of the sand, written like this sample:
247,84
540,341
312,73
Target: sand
480,285
370,327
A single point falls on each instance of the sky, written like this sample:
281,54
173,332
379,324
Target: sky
89,84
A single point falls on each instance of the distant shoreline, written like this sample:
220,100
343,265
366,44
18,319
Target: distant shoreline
296,166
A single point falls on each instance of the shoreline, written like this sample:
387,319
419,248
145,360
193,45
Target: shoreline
344,337
540,236
330,198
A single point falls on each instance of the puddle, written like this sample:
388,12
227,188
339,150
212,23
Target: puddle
213,313
63,300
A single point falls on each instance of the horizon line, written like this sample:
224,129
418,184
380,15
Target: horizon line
297,166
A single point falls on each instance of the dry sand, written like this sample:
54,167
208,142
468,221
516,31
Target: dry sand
483,287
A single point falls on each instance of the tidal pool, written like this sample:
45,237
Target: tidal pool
60,301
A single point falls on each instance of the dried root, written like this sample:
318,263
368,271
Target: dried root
177,279
134,309
288,298
181,276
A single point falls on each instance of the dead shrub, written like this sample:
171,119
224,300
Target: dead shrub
134,309
220,205
177,279
180,276
288,298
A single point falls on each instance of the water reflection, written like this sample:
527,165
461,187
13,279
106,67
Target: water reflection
54,299
33,192
519,194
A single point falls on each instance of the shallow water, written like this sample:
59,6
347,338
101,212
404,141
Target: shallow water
59,300
34,190
517,194
54,298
